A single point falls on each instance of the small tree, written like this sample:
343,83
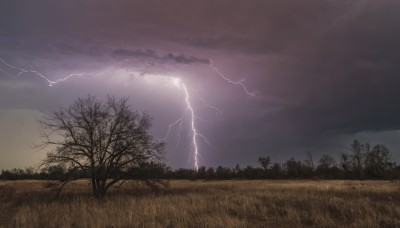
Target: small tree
309,162
294,168
265,162
104,139
358,156
326,161
276,170
327,167
378,162
345,164
308,165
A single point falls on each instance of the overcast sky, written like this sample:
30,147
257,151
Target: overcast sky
323,72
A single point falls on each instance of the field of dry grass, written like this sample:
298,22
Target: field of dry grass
205,204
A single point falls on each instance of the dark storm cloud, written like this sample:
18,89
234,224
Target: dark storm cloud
65,48
348,77
185,60
152,55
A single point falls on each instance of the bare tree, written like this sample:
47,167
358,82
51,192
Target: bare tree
265,162
326,161
309,160
358,156
378,161
104,139
345,163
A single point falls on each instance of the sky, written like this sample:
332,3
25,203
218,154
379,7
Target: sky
304,76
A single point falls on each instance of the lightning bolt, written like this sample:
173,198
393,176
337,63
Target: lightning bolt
189,110
178,122
22,71
218,112
238,83
193,125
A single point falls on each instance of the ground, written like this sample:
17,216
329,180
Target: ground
238,203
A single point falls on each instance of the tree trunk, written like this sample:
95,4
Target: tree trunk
99,187
94,186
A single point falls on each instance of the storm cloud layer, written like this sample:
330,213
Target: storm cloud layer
325,72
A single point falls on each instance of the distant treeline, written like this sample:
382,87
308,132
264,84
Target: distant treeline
362,162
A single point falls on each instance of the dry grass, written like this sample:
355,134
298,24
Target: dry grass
205,204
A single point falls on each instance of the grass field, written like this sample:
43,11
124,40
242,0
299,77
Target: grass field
205,204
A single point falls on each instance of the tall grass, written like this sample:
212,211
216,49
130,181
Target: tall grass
205,204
